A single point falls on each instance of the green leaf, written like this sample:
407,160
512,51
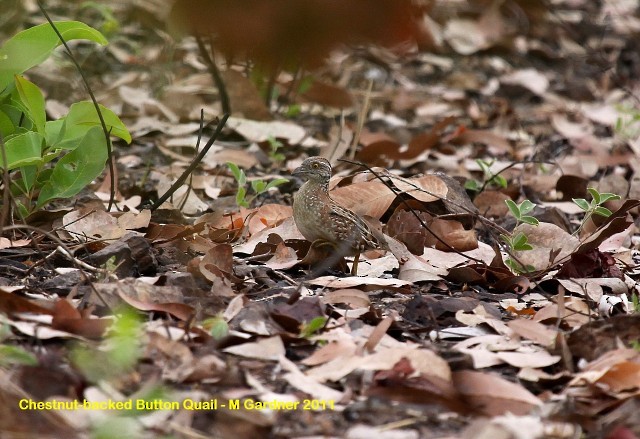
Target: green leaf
16,355
519,239
581,203
513,208
500,181
595,194
604,197
7,127
472,185
602,211
33,100
53,130
276,182
77,168
258,186
526,206
217,326
313,326
34,45
305,84
82,117
531,220
23,149
241,197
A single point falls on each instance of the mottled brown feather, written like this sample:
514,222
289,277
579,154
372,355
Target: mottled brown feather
318,217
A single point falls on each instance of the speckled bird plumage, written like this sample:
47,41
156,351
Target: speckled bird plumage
318,217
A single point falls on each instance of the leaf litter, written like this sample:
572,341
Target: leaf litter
439,336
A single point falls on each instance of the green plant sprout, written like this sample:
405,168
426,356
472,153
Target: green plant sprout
310,328
519,241
13,355
275,145
257,186
628,122
117,354
595,206
217,327
53,159
488,178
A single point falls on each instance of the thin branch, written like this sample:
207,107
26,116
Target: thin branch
215,74
195,162
107,133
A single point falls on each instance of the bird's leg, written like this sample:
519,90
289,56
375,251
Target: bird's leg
354,267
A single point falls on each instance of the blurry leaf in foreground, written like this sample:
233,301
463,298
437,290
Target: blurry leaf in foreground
283,33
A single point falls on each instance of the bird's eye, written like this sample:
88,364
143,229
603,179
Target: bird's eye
315,166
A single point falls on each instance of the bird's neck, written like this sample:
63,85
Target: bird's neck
317,185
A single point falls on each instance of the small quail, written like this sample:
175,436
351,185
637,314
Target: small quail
322,221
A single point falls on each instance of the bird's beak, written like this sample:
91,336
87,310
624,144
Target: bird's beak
299,172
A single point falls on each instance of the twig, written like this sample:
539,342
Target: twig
6,183
361,118
193,164
107,133
215,74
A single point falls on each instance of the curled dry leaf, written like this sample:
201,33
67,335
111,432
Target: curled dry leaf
492,395
427,189
268,216
350,296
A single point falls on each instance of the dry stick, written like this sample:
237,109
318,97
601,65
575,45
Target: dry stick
361,118
106,132
6,183
66,249
215,74
192,165
190,185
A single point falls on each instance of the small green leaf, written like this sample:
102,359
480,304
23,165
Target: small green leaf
606,196
500,181
305,84
526,206
217,326
472,185
241,197
581,203
276,182
235,170
33,100
602,211
513,208
16,355
258,186
313,326
595,194
23,149
531,220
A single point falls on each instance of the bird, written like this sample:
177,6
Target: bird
324,222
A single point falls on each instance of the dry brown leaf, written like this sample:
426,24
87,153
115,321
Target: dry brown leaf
492,395
371,198
350,296
427,189
547,239
535,331
270,348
